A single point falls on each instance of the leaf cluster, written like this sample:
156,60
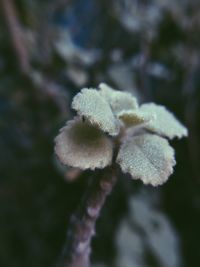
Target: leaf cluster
107,117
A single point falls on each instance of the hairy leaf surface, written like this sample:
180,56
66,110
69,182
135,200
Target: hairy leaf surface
165,123
118,100
134,117
79,144
147,157
90,104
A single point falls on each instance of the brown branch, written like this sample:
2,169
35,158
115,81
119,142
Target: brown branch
189,91
16,35
143,73
76,252
45,30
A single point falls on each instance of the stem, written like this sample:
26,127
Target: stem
44,40
191,106
16,35
76,252
143,72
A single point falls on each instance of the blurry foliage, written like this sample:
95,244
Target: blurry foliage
72,44
146,236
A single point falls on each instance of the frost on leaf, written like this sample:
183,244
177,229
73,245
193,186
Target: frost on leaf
165,123
134,117
147,157
118,100
81,145
90,104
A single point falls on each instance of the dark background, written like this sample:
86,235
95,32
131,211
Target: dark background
49,50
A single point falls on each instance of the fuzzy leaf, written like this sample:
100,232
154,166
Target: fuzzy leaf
90,104
118,100
165,123
147,157
81,145
134,117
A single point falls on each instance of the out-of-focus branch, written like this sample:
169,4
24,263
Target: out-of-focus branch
143,74
49,88
45,27
189,90
16,35
59,4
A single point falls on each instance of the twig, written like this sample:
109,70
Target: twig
13,25
45,30
76,252
143,74
189,90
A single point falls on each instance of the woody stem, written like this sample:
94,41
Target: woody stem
76,252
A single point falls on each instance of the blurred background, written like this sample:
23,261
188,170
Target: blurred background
49,50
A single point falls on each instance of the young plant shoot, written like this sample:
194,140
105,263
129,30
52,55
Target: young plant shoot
112,130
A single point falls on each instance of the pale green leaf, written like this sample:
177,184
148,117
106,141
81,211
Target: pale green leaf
147,157
134,117
165,123
90,104
118,100
81,145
